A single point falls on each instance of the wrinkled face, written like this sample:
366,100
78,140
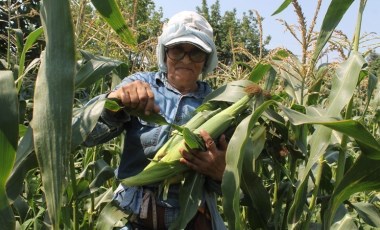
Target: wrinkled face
184,63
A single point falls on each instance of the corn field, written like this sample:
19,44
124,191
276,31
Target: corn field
303,156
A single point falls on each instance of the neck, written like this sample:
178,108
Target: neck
185,89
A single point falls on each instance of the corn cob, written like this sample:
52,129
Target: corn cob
197,120
169,166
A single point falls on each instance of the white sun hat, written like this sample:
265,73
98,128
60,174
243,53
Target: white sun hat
185,23
188,27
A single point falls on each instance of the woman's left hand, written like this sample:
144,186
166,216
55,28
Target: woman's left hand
211,162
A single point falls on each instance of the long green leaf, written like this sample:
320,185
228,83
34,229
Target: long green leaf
111,216
30,40
92,68
84,121
283,6
53,100
251,184
343,86
362,176
259,72
102,172
8,142
368,143
234,159
191,194
332,18
347,222
372,83
368,212
231,92
112,15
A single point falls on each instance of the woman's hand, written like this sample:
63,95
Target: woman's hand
136,95
211,162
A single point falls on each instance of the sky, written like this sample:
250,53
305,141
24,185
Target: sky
271,25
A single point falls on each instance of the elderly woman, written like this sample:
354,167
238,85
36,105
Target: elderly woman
185,52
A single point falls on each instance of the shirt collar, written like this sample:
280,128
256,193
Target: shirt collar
202,91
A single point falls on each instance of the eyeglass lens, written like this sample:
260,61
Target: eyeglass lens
178,53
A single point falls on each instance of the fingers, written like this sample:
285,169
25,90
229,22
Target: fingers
209,142
189,159
223,144
211,162
136,95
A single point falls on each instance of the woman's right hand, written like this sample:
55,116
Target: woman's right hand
136,95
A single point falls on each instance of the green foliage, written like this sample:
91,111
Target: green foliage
8,143
27,21
307,158
374,64
112,15
233,36
51,124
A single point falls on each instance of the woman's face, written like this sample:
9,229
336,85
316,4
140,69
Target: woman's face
184,63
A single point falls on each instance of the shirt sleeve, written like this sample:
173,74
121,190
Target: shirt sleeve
109,125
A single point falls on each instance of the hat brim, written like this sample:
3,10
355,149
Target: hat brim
190,38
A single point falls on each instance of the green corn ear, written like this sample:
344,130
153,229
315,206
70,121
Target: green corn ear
197,120
169,166
193,140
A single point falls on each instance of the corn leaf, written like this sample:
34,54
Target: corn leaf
92,68
335,12
30,40
231,92
343,86
234,160
362,176
53,100
19,40
23,165
110,11
8,142
368,212
111,216
347,222
258,73
257,197
283,6
83,122
368,144
101,173
190,197
372,83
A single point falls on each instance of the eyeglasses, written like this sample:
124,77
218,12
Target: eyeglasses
177,53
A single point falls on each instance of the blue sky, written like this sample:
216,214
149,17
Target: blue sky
271,26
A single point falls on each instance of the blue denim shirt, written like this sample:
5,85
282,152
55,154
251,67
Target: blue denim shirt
142,139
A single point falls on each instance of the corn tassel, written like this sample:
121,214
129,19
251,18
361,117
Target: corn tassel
168,166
